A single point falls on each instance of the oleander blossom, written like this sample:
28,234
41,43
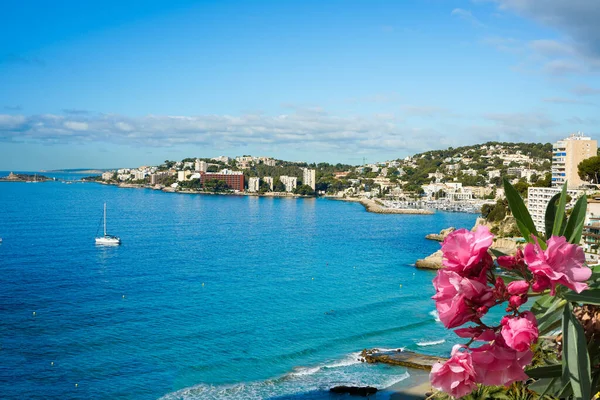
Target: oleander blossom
519,333
498,364
466,252
456,376
459,300
561,263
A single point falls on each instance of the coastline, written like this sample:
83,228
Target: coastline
374,207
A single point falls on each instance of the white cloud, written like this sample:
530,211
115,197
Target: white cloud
467,16
585,90
311,127
564,100
76,126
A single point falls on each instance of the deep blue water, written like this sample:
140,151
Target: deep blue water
208,296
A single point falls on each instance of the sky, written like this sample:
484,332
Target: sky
90,84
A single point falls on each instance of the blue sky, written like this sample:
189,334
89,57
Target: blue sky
109,84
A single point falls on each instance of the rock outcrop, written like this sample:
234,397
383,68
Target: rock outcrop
354,390
433,261
400,357
442,235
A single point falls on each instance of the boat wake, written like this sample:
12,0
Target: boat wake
432,343
301,383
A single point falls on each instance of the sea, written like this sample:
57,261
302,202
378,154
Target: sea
209,296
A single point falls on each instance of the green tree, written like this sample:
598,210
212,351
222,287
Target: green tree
304,190
212,168
589,169
278,186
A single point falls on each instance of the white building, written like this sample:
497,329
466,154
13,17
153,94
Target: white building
200,166
183,175
223,159
290,182
308,177
138,175
253,184
106,176
269,180
538,199
493,173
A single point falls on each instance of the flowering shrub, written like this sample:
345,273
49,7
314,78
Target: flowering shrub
550,267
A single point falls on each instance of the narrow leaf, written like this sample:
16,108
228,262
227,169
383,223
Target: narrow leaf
576,361
550,214
519,211
585,297
550,320
547,371
576,221
497,253
560,212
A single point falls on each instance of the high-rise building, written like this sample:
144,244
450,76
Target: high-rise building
308,177
269,180
566,156
253,184
290,182
200,166
538,199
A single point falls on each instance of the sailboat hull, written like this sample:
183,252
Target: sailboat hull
108,240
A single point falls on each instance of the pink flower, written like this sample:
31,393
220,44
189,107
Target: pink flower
517,301
520,332
465,252
456,376
540,283
518,287
460,300
477,333
498,364
562,263
511,262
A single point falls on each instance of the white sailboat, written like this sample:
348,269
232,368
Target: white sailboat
107,239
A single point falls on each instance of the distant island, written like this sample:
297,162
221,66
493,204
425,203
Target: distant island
24,178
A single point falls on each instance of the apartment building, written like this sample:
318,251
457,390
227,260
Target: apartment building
566,156
309,177
290,182
538,199
253,184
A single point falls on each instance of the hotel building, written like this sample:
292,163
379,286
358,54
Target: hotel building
566,156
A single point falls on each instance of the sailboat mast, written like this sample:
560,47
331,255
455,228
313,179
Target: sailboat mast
104,219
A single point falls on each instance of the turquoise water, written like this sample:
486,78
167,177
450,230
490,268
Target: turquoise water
209,297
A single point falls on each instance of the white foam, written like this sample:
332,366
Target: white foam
351,359
435,315
300,371
432,343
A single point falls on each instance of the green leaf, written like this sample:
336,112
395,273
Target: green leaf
551,386
557,228
546,371
550,320
519,211
550,214
576,221
497,253
576,362
542,304
585,297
